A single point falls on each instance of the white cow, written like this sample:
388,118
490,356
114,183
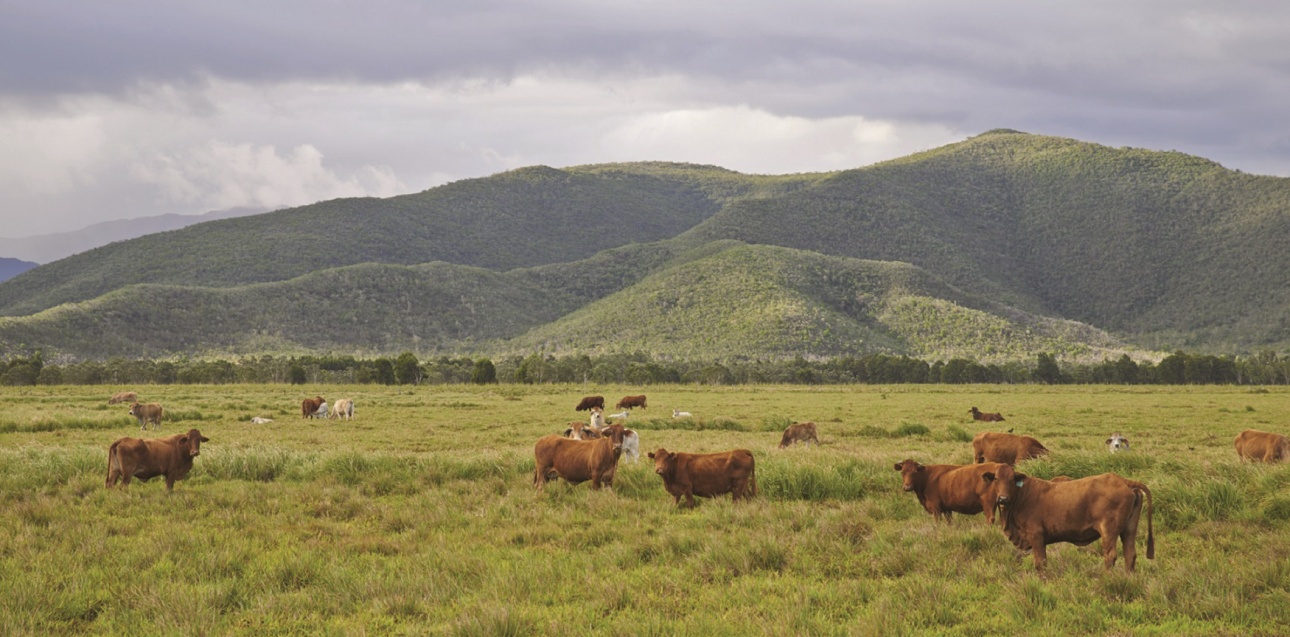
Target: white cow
621,414
1117,442
344,408
260,421
676,413
631,445
321,412
597,418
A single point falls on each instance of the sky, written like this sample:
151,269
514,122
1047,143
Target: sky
132,108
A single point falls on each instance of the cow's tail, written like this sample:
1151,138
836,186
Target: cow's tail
1151,536
114,462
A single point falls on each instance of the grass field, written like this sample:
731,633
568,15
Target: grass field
419,517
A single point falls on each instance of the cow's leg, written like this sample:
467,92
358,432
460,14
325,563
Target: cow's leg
1040,552
170,482
689,498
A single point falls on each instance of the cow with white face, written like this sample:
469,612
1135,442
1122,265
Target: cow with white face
1117,443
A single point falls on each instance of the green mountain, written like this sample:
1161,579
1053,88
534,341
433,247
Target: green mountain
993,248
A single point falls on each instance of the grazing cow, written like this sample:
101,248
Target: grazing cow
344,408
629,402
171,457
260,421
989,446
804,431
597,418
677,413
147,413
1262,446
123,397
580,431
706,474
309,407
946,489
1117,443
1036,513
589,402
977,414
578,461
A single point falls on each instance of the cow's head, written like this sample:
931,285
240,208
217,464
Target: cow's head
909,471
615,433
192,441
1117,442
1005,484
664,461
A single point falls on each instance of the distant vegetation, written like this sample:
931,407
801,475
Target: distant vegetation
994,249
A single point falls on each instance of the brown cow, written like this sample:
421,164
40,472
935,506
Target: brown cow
950,488
804,431
123,397
309,407
1036,513
578,461
1262,446
147,413
171,457
977,414
989,446
631,401
590,401
706,474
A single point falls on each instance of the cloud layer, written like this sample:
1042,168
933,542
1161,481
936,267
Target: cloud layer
113,110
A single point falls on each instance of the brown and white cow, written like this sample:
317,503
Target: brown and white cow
706,474
629,402
588,402
1262,446
977,414
989,446
123,397
803,431
171,457
581,431
147,413
309,407
1035,513
946,489
578,461
597,418
343,409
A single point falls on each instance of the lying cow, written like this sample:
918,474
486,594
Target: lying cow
629,402
578,461
1117,443
946,489
309,407
147,413
588,402
989,446
1036,513
803,431
344,408
171,457
1262,446
977,414
123,397
260,420
706,474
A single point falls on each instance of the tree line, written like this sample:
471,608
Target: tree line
1179,368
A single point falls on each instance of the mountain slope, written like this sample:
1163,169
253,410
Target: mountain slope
524,217
10,268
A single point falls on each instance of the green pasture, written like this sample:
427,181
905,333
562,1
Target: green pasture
419,516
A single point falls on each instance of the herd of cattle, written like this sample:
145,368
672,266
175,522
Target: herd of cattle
1033,512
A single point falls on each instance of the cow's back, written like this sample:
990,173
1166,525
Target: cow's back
719,473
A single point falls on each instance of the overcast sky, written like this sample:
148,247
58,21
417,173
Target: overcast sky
134,108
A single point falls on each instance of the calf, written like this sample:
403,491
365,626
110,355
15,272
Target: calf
589,402
147,413
706,474
344,408
1262,446
171,457
597,418
578,461
946,489
1117,443
309,406
990,446
123,397
629,402
803,431
977,414
1035,513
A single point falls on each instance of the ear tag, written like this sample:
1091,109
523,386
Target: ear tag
1019,483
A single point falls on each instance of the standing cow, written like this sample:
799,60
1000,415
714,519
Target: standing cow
578,461
343,409
629,402
147,413
706,474
946,489
309,407
803,431
589,402
171,457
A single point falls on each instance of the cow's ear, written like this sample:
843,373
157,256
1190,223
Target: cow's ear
988,476
1108,441
183,440
651,455
919,467
900,466
205,439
